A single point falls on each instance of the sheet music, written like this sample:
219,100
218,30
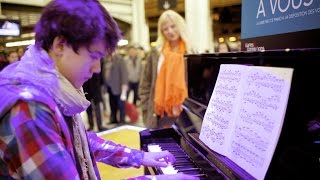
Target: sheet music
218,122
249,104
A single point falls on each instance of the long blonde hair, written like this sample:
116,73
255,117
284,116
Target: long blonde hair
180,23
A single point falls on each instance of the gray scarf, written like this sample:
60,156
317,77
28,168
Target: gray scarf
37,69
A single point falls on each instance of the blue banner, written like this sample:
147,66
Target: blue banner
270,17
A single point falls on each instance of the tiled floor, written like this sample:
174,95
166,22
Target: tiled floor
106,115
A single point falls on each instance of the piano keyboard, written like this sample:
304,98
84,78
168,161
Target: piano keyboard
183,163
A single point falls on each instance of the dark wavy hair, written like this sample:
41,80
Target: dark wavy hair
79,22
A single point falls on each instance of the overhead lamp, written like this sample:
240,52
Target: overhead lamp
232,39
28,35
153,44
221,39
20,43
122,42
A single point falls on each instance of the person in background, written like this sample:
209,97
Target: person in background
92,88
116,80
3,61
20,52
42,135
163,86
104,90
12,56
134,67
223,48
141,53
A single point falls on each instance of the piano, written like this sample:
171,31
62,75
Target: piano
297,154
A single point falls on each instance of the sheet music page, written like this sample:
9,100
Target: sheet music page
259,118
244,117
218,122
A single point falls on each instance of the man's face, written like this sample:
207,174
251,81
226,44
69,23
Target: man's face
79,67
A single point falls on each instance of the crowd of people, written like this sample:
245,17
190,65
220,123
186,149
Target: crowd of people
9,56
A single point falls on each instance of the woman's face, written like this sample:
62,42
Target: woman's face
170,30
79,67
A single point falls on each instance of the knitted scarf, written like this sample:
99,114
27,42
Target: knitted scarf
37,69
170,88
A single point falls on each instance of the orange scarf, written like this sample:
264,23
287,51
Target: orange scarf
171,89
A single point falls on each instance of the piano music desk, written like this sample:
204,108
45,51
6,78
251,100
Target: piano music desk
124,135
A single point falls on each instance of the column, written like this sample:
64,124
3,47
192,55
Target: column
139,28
199,24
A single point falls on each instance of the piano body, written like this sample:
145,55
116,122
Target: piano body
297,154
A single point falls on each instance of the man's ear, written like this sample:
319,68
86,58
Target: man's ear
58,46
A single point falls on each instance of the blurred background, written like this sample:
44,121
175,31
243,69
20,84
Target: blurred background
138,20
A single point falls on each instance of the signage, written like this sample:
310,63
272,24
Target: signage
167,4
264,18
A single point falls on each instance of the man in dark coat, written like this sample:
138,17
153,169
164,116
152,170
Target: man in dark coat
92,88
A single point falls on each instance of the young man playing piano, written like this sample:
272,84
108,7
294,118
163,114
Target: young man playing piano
41,132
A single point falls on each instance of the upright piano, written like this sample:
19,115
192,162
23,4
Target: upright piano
297,154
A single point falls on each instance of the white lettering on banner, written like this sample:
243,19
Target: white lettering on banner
310,11
285,9
308,4
252,47
261,9
296,6
248,45
276,5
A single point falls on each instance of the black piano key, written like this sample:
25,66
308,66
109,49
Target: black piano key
182,161
178,153
195,173
200,175
171,148
181,156
187,169
187,165
174,150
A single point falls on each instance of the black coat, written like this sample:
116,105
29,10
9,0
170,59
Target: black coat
92,88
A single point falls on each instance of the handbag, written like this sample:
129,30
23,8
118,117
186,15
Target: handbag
132,112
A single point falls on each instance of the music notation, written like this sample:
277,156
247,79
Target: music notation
256,141
214,136
258,119
245,114
222,105
246,154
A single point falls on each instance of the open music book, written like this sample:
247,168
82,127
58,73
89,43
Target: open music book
244,117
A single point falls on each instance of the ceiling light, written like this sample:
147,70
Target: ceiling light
221,39
123,42
20,43
232,39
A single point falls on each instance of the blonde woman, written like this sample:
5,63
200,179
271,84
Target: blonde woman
163,85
